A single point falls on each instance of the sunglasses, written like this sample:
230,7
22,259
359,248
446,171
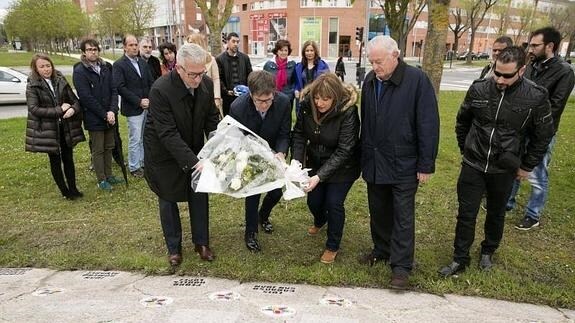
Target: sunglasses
505,75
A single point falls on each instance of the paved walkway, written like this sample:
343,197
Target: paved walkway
41,295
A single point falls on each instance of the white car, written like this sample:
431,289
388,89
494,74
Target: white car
12,86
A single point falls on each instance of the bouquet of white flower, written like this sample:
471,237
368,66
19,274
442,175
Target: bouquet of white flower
237,162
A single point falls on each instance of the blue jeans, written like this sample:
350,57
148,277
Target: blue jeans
136,141
539,180
326,203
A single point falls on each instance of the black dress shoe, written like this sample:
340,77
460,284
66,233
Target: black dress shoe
372,258
76,194
175,259
205,252
485,263
252,242
452,269
267,226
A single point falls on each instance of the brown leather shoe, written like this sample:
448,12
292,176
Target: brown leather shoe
205,252
328,256
313,230
175,259
399,281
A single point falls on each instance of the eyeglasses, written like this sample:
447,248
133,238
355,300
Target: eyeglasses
193,75
536,45
505,75
92,49
262,102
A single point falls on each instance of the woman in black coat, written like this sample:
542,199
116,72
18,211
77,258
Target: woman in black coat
326,139
54,124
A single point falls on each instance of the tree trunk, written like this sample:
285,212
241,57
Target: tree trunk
436,36
471,45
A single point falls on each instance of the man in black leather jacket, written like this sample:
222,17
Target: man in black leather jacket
496,117
554,74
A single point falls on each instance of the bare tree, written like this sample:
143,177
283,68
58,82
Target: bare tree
501,10
437,29
139,15
476,11
459,26
216,15
395,12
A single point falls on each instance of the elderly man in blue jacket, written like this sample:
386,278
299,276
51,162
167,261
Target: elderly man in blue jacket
399,141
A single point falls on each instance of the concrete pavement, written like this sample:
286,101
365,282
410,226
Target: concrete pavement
41,295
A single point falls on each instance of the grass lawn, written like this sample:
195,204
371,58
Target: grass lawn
121,230
23,59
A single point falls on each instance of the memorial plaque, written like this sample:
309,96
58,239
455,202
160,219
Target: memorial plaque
277,310
190,282
156,301
13,271
47,291
335,301
99,274
225,295
272,289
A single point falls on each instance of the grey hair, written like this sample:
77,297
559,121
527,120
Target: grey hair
191,53
384,42
145,39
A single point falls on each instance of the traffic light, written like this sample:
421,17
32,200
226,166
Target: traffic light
359,34
224,38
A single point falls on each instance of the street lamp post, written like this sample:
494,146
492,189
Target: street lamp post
109,12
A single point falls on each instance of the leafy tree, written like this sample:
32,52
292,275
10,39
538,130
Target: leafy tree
396,16
139,14
437,29
501,10
216,14
43,24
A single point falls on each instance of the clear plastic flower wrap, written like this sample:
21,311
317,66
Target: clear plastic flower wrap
237,162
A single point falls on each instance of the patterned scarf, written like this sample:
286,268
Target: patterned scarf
281,78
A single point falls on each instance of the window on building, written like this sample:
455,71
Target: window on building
325,3
244,7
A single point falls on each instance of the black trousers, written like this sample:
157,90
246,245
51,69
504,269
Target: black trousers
64,159
172,226
227,102
392,222
471,187
252,203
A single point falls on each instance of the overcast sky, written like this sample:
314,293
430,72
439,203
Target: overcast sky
4,3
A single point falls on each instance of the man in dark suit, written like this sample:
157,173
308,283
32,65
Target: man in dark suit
182,113
268,114
132,79
153,61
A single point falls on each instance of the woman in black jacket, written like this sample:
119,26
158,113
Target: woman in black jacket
54,124
326,139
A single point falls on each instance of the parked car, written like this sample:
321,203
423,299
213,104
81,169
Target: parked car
482,55
12,86
463,56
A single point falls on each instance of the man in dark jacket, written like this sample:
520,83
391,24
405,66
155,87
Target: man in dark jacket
153,61
182,114
399,140
496,117
552,73
99,100
235,67
132,79
498,45
268,114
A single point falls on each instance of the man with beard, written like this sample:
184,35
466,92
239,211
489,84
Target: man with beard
153,61
551,72
234,70
496,117
498,45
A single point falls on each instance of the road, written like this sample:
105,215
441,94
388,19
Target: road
456,79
